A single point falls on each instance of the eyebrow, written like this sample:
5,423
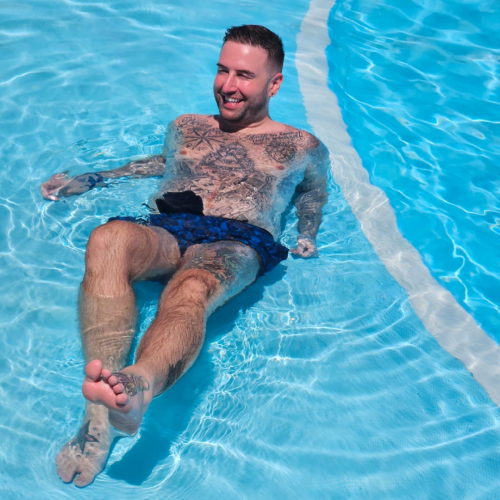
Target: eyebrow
242,71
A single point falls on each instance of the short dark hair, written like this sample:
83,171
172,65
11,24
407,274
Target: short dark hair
258,36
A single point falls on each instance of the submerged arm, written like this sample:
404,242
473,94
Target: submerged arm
62,185
311,196
154,166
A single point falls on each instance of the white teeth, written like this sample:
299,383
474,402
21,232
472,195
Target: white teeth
228,99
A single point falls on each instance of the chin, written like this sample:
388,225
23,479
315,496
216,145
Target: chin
230,116
227,114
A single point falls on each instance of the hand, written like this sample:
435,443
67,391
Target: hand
62,185
50,189
306,247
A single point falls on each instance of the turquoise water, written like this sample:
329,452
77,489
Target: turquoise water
319,381
418,86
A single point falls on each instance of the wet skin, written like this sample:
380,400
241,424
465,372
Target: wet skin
244,166
248,177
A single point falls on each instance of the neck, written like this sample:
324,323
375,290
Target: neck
252,127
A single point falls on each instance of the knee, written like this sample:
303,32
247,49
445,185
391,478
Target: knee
107,241
195,284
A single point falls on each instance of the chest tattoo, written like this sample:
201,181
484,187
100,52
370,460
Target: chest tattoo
229,156
199,135
236,175
281,151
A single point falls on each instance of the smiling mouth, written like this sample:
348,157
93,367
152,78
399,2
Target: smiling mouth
231,102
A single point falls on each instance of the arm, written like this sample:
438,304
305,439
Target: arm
154,166
311,196
62,185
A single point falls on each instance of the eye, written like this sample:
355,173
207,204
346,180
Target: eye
220,71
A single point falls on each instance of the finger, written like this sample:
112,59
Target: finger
300,252
48,192
49,195
299,249
312,249
310,252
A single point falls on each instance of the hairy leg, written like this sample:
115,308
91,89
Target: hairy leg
118,253
208,276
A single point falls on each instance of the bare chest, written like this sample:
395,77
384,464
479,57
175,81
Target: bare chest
210,151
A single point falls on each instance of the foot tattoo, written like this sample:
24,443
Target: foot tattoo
126,394
83,437
132,382
85,455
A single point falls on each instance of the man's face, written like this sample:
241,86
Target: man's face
243,83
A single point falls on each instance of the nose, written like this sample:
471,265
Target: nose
229,86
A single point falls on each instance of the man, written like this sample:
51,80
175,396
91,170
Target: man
227,180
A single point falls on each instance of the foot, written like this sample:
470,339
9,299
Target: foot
126,394
87,452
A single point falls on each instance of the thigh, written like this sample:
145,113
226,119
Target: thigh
166,258
234,265
140,251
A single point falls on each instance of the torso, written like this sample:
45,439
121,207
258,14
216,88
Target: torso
249,177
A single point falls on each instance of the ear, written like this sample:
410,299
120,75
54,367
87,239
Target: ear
275,84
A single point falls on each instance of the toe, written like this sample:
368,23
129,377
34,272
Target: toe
105,374
67,474
121,399
118,388
93,370
66,469
112,380
84,478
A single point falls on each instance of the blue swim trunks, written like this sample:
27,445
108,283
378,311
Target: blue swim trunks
192,229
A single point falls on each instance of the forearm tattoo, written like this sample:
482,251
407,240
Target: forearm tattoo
132,382
149,167
309,207
153,166
312,193
83,437
81,184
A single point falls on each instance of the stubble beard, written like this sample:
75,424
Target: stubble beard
249,112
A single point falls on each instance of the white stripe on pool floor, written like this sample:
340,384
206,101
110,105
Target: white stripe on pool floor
455,330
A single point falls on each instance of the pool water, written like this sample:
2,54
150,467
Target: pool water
319,381
420,93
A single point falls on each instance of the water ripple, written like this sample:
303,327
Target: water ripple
319,383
